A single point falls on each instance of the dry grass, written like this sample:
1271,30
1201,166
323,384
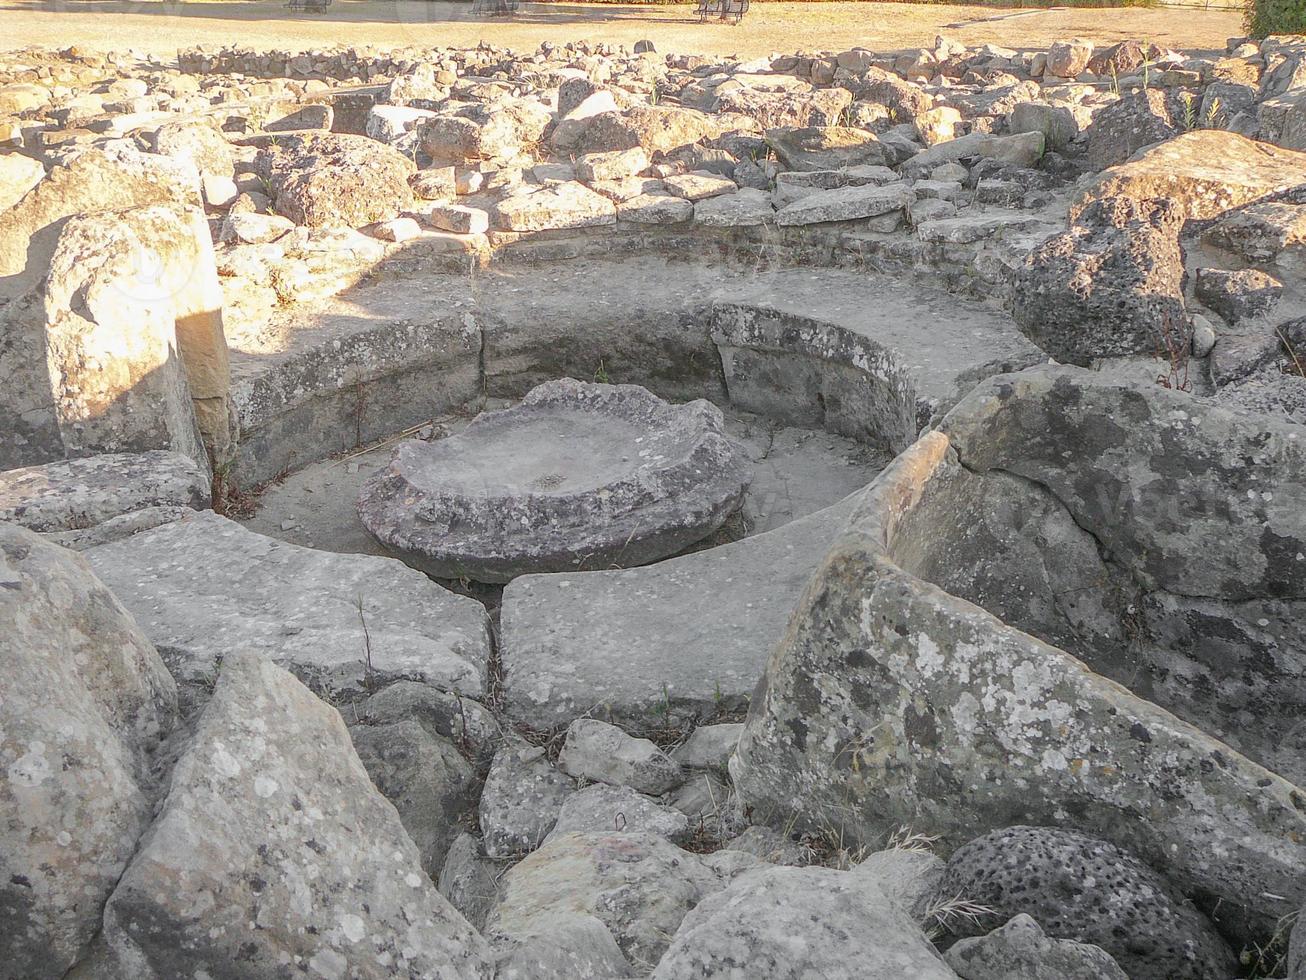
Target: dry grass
164,27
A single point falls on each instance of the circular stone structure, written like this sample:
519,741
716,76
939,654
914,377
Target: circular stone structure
577,476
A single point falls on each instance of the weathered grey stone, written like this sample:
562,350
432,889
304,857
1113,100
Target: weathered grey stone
253,228
84,702
18,175
1239,295
618,809
826,148
894,700
434,183
204,587
1088,891
116,528
197,143
793,923
468,724
655,209
846,204
502,130
269,807
908,875
612,165
638,885
81,493
747,207
1020,150
431,785
822,107
563,945
330,179
576,475
563,634
470,880
1138,119
566,205
1261,232
699,186
521,799
708,747
1057,123
1206,173
772,847
1066,59
1111,285
135,354
598,751
1020,949
901,97
659,128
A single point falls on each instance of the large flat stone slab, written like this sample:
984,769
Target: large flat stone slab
81,493
577,476
683,638
1206,173
204,587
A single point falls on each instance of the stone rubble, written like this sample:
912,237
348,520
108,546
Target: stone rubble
1047,666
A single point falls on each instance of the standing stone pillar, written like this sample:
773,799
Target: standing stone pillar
134,345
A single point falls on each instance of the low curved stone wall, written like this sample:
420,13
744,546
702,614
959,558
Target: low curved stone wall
1016,602
858,355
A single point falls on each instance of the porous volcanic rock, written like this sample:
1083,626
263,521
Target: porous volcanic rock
578,475
325,180
1089,891
1110,285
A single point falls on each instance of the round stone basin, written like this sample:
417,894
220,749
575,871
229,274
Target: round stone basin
578,476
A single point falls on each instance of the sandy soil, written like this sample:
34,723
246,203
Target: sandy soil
162,27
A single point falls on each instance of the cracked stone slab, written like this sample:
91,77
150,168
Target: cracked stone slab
577,476
75,494
204,587
683,637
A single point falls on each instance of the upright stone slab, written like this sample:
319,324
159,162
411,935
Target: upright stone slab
91,180
273,848
84,699
925,678
133,316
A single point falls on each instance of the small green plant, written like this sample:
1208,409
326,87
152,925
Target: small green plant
601,375
1213,117
1190,110
1115,80
369,679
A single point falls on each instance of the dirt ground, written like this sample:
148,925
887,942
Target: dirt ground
162,26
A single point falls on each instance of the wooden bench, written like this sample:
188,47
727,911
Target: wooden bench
309,6
731,10
494,8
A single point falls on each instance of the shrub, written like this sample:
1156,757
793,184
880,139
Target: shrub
1266,17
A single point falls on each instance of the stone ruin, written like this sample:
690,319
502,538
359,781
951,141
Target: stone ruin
471,513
